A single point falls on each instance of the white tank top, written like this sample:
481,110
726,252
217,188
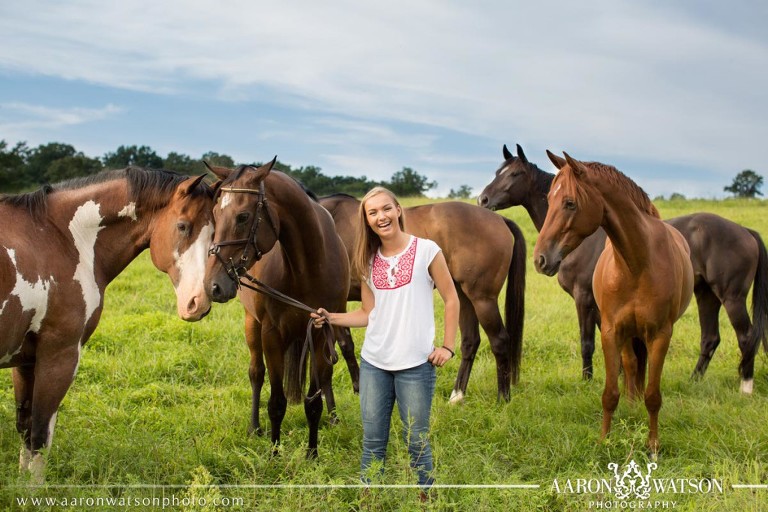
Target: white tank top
401,326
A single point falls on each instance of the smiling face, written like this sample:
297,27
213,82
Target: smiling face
383,215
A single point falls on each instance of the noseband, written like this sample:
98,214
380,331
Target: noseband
236,270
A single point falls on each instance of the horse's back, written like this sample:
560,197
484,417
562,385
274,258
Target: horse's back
721,251
475,241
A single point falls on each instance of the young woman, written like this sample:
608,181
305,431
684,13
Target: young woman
398,272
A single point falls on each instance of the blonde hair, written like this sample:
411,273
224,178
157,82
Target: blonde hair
366,241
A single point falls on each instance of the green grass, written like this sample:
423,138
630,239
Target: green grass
161,402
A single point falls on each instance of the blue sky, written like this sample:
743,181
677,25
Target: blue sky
671,93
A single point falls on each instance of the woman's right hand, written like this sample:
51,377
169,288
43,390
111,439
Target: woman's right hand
320,317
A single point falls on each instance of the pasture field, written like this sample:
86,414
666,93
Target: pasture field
159,411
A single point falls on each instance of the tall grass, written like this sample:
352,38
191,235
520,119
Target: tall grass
160,409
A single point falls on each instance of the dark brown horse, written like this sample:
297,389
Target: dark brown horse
643,280
59,249
476,245
268,227
727,260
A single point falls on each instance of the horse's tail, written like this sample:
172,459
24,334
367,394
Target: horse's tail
760,296
295,374
514,308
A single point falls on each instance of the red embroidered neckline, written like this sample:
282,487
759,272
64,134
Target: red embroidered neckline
391,273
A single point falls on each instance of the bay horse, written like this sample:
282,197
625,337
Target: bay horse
728,259
643,280
267,227
59,249
482,250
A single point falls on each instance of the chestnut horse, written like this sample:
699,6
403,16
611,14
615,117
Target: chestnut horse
482,250
267,227
59,249
643,280
728,259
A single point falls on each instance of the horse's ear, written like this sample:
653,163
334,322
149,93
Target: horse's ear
506,153
558,161
220,172
263,171
520,154
190,184
578,167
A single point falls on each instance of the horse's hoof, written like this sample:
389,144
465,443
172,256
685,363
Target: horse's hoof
258,431
746,386
333,420
311,453
457,397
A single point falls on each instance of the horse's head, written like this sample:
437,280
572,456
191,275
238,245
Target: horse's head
179,244
575,212
246,228
512,185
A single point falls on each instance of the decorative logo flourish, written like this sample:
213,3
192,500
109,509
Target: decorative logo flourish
632,483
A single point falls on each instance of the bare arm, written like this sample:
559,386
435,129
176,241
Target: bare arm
438,269
357,318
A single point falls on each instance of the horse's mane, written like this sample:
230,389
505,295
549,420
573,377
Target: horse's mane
242,168
339,194
542,180
610,174
148,187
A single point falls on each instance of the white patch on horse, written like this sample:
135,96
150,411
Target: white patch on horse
85,227
747,386
129,211
191,265
456,397
557,188
32,296
505,169
226,198
7,357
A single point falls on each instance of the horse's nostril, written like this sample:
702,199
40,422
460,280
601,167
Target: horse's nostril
541,262
482,200
215,290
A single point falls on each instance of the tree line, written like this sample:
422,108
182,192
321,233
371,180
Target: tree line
23,168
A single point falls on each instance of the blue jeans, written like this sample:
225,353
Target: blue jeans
413,390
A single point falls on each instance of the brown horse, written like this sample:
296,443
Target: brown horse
476,245
728,259
643,280
59,249
269,228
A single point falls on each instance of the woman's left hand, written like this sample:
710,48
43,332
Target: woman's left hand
440,356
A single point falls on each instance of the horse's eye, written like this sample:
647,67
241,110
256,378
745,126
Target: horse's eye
569,204
183,227
242,218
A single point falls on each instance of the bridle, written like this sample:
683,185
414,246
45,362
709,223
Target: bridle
238,271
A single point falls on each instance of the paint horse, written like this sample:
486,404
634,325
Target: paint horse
643,280
482,250
728,260
59,249
268,228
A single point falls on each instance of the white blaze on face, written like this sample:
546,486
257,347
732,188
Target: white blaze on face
226,198
32,296
85,227
129,211
191,299
557,189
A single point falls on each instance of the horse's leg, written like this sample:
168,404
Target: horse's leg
23,386
275,356
657,353
347,346
709,311
629,362
313,403
611,354
736,307
470,341
256,370
587,312
490,318
59,369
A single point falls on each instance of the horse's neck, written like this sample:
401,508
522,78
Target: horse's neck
301,235
629,231
537,203
102,224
